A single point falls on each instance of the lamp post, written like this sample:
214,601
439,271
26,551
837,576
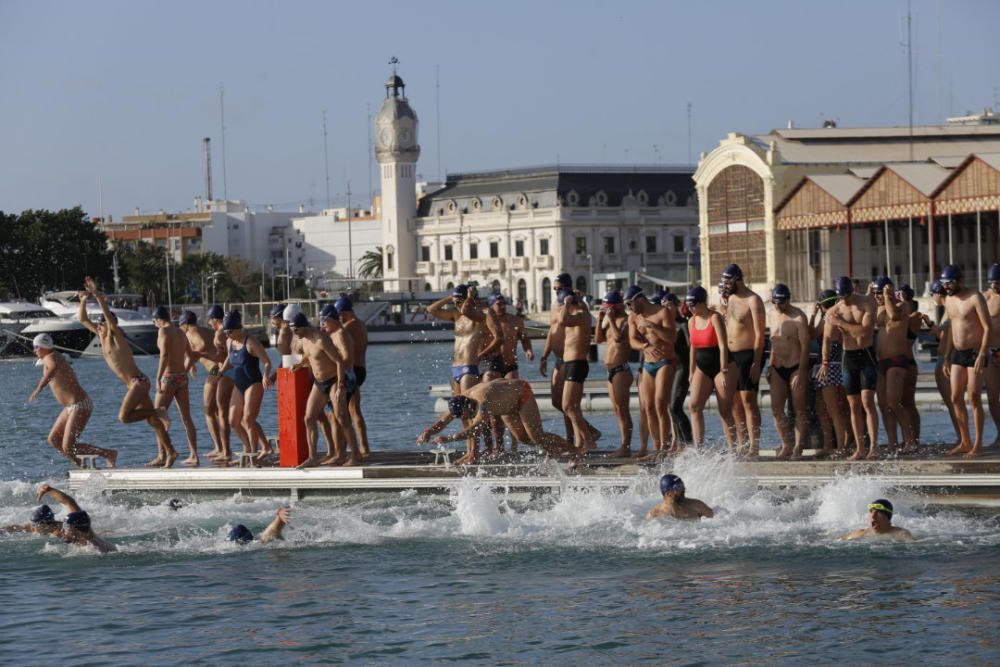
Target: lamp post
590,263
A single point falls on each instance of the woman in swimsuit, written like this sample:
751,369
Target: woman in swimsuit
245,355
831,397
708,363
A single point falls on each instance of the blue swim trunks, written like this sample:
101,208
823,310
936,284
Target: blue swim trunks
458,372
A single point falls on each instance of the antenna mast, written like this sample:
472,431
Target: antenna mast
689,132
326,160
222,116
437,106
368,127
909,71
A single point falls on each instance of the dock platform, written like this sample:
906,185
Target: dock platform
941,480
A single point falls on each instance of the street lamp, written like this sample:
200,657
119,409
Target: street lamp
590,263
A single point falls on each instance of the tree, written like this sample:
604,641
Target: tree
370,264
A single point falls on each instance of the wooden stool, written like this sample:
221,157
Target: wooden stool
442,451
88,461
247,459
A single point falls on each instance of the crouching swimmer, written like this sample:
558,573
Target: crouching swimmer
242,535
880,524
76,526
676,505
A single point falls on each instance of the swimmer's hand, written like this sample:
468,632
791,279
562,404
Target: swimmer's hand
284,515
42,490
543,366
530,354
91,286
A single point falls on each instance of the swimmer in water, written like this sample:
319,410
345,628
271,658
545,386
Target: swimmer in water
76,526
879,524
675,505
241,534
43,522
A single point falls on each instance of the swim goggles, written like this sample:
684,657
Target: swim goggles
872,507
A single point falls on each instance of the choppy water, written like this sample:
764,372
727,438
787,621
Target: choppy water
476,576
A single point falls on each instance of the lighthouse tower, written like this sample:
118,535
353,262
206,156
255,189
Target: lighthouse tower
397,151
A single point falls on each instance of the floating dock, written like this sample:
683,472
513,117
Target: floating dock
941,480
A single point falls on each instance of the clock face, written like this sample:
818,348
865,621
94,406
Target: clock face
405,137
385,136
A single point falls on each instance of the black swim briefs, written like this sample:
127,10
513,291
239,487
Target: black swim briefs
744,364
860,371
577,370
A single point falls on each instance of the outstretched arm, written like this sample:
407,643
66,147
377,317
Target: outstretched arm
62,498
82,314
277,526
438,426
438,310
468,432
50,372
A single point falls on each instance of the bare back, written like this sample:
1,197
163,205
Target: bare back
118,354
64,383
359,334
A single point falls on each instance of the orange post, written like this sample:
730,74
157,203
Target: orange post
293,392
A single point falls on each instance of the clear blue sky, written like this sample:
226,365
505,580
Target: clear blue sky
122,92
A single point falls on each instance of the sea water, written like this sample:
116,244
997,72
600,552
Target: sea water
479,576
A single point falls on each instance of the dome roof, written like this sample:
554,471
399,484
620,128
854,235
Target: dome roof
395,82
395,108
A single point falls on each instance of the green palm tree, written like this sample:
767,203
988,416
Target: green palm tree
370,264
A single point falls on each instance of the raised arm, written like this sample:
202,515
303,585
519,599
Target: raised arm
470,308
273,531
438,310
578,320
62,498
82,314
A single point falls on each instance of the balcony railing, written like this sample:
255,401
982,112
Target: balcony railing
543,261
425,268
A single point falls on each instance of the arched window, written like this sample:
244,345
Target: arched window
546,294
427,287
495,285
450,287
522,291
581,284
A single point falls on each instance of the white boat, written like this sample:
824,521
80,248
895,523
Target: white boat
20,322
135,322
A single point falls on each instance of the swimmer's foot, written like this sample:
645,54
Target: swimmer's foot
960,449
911,448
783,454
155,463
310,462
975,452
622,452
171,457
192,461
824,453
111,458
872,454
796,454
351,461
639,454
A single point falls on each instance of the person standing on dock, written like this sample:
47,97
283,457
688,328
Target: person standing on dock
244,356
708,365
343,429
508,329
223,386
77,406
652,332
612,330
676,505
283,337
992,296
359,336
879,524
682,354
202,348
969,337
555,342
788,370
831,399
136,406
854,316
938,296
176,361
745,321
577,323
892,320
914,319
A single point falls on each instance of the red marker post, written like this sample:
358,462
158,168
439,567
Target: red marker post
293,392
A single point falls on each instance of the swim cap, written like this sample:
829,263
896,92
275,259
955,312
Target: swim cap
937,288
457,405
781,293
565,280
300,320
495,297
827,298
44,341
329,312
696,294
657,297
215,313
880,505
187,317
881,282
79,520
613,298
241,535
561,296
845,286
993,273
461,291
632,292
670,297
951,272
290,311
906,291
175,504
344,305
732,272
277,310
101,319
43,514
232,321
161,313
670,483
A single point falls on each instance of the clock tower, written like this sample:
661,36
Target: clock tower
397,151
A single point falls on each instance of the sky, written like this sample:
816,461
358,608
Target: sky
106,103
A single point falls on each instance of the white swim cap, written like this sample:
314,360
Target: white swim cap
43,340
291,310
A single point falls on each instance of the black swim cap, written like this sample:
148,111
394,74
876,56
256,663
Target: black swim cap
671,483
215,313
161,313
565,280
43,514
79,520
880,505
241,535
277,310
845,286
232,321
187,317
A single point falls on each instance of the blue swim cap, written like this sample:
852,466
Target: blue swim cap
329,310
827,298
495,297
657,297
277,310
215,313
937,288
457,405
881,282
161,313
79,520
906,291
232,321
461,291
696,294
565,280
613,298
175,504
241,535
344,305
732,272
993,273
300,320
101,319
187,317
670,297
670,483
781,293
632,292
43,514
951,272
845,286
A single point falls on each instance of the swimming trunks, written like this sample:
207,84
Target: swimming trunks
325,385
459,372
526,394
744,365
786,372
577,370
897,361
623,368
653,367
86,405
138,379
708,361
860,371
176,380
246,368
966,358
360,372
